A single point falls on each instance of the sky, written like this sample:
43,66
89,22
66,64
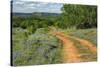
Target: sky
31,6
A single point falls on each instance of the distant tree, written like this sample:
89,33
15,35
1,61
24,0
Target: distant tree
36,14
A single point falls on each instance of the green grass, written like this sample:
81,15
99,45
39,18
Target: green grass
88,34
41,48
33,49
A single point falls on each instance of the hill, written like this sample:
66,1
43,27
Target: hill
35,14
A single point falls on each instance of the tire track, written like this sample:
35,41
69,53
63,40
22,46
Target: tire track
86,43
83,42
70,53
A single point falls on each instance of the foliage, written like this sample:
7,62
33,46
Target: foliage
37,48
32,23
81,16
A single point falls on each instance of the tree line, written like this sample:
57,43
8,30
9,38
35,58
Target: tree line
79,16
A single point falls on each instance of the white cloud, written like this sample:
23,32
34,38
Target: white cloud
31,5
19,2
23,6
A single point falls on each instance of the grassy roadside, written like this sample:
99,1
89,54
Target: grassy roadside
42,48
87,34
35,49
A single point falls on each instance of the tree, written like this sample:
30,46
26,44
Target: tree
76,15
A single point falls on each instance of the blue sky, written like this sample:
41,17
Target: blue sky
30,6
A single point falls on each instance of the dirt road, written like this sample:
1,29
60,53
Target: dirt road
70,52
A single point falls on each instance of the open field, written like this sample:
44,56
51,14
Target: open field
44,48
